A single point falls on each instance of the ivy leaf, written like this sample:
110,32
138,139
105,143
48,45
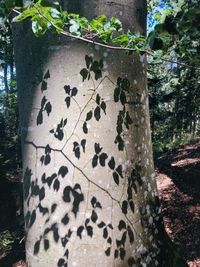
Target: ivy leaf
107,252
97,113
109,240
110,226
24,15
116,94
66,194
48,108
122,253
89,115
53,207
39,118
101,224
74,91
97,148
41,193
83,143
47,149
98,205
116,178
63,171
36,247
102,159
55,233
84,73
76,150
123,239
123,98
47,75
68,101
116,254
79,231
67,89
85,129
130,234
64,122
44,86
111,163
132,206
56,185
94,216
94,161
61,262
74,27
96,68
119,170
65,219
46,244
98,99
129,192
125,206
103,106
47,159
89,230
105,233
32,218
93,202
88,61
122,225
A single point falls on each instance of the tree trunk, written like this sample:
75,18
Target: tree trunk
89,184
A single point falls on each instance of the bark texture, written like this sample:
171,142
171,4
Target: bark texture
89,184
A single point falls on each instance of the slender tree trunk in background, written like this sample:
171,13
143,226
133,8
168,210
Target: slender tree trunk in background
6,88
5,71
89,184
11,74
11,57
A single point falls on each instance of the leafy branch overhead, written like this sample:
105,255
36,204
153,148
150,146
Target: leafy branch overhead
109,32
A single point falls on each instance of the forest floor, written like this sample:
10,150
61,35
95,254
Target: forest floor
178,177
178,173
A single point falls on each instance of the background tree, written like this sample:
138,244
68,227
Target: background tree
11,220
174,87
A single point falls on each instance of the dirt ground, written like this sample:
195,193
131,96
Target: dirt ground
179,189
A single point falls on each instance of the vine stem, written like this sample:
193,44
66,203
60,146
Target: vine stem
111,47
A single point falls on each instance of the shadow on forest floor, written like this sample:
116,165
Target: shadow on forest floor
179,189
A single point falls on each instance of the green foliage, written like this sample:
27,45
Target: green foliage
170,31
47,16
6,240
10,161
175,89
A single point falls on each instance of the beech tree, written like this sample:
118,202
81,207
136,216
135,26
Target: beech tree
90,195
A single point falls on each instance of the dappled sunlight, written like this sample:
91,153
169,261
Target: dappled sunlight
177,183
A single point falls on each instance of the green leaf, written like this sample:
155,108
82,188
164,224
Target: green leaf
74,27
114,22
102,19
24,15
121,40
